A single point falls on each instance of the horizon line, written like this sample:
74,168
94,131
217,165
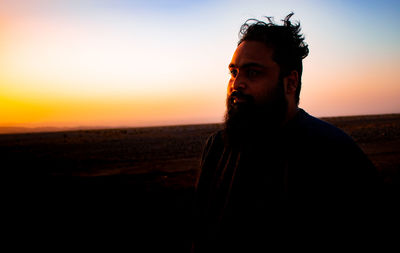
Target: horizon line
15,129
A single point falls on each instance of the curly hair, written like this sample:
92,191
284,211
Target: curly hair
285,40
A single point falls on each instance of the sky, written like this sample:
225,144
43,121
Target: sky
144,63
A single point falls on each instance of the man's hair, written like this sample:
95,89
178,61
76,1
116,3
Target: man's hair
285,40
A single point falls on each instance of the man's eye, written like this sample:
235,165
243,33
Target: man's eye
252,73
233,72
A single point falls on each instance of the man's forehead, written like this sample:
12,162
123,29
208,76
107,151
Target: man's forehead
252,52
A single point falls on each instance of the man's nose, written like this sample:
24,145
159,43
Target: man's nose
239,83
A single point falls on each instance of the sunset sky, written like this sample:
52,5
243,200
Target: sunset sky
141,63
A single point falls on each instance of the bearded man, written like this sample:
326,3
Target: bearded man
273,164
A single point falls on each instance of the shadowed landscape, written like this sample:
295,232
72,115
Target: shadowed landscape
94,181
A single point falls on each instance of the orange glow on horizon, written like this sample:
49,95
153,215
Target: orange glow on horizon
129,110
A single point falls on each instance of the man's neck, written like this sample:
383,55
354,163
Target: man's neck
291,113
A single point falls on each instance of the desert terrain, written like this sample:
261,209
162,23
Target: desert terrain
93,182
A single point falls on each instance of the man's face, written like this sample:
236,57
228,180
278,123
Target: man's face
255,95
253,73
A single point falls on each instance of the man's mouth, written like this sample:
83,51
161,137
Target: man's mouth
237,98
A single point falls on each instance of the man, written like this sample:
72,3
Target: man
273,165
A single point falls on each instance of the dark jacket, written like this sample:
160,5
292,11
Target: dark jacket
304,173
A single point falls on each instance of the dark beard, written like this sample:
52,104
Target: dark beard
250,123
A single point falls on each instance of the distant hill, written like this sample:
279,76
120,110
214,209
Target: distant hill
336,120
4,130
14,130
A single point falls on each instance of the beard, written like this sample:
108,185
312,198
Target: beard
251,123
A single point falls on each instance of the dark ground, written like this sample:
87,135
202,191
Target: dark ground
134,186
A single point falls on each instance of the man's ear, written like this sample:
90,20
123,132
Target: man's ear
290,82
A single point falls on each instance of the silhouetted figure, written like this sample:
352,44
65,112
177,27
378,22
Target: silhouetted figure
275,169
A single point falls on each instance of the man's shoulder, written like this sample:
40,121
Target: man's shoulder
215,136
318,129
214,140
213,143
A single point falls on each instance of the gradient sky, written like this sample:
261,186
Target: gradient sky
137,63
